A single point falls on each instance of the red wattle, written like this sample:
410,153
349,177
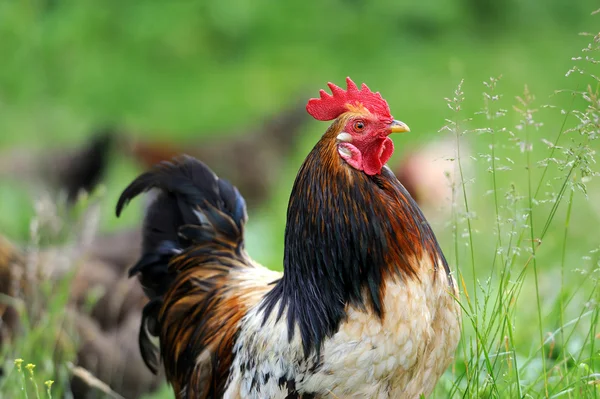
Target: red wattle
377,156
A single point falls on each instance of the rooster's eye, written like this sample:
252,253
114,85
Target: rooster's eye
359,126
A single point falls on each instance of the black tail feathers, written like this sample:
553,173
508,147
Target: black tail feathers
193,207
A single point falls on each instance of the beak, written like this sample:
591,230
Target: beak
399,127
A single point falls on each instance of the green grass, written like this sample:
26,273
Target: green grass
523,237
531,319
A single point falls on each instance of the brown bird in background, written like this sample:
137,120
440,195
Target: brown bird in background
251,160
11,271
107,334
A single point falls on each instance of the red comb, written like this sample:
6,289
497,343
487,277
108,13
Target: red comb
329,107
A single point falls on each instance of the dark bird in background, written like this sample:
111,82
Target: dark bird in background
252,160
365,306
61,170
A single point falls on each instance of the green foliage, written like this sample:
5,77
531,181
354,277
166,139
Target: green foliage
28,381
45,338
43,346
531,319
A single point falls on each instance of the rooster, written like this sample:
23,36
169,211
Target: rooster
365,308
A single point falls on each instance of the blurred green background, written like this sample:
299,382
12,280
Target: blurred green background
184,68
181,70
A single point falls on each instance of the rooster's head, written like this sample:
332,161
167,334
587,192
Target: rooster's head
363,122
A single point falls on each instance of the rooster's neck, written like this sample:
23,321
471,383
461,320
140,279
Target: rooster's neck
346,234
